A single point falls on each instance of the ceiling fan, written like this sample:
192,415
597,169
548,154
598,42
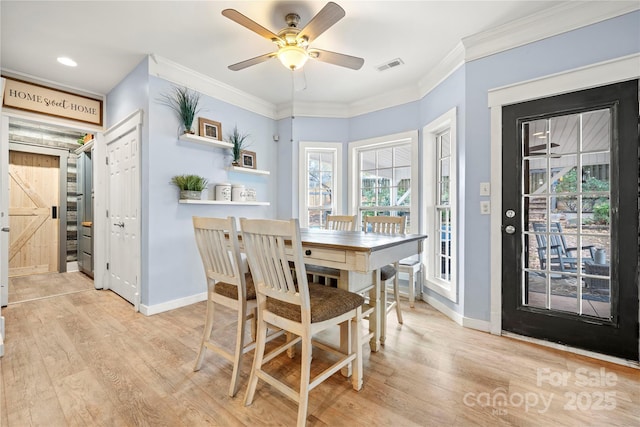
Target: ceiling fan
293,42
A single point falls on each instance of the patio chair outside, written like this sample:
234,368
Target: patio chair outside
562,257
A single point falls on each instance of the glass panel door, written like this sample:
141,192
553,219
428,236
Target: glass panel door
565,199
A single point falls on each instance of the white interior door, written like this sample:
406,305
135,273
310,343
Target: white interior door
4,217
123,207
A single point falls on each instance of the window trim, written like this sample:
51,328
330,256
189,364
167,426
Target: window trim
430,133
303,149
410,137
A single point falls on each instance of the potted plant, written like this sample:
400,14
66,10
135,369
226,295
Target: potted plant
185,103
239,141
190,186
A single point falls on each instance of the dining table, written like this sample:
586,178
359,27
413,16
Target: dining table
359,256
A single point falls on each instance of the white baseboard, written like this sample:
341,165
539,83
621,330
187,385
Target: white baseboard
150,310
1,336
456,317
479,325
467,322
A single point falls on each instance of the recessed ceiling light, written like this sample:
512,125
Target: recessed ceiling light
67,61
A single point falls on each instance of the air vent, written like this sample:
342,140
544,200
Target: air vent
391,64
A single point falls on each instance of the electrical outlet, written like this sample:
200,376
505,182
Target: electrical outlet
485,207
485,189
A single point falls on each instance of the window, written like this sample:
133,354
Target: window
382,173
319,182
439,195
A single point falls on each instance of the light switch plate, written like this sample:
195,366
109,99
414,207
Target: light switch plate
485,189
485,207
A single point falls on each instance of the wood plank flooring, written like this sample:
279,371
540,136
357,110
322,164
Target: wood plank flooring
35,286
86,359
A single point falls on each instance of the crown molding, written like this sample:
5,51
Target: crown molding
313,109
51,84
439,73
558,19
176,73
394,98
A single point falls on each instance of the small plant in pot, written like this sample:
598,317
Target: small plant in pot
190,186
185,104
239,141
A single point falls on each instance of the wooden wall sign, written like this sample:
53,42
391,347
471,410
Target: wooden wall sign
53,102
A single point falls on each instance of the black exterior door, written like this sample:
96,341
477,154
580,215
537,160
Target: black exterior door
570,219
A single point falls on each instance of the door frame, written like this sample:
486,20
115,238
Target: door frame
63,156
101,189
600,74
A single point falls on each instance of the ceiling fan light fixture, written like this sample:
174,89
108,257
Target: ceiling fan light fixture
293,57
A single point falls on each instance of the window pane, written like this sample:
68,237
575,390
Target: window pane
402,156
596,130
367,160
445,145
385,158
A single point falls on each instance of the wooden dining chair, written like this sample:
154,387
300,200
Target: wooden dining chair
341,222
327,275
287,300
229,284
388,225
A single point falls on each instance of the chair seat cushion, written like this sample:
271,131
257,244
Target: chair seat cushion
387,272
326,303
231,291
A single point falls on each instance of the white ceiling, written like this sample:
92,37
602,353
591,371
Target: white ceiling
109,38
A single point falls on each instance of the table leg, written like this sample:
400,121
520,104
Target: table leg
345,344
375,319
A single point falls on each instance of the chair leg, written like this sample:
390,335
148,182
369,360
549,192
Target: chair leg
305,378
396,294
412,287
261,341
242,321
206,334
356,339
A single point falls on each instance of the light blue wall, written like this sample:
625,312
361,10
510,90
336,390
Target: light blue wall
447,95
130,95
171,268
389,121
306,129
595,43
175,267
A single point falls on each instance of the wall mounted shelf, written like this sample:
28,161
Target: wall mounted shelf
248,170
205,141
220,202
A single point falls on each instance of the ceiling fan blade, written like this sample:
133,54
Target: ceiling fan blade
334,58
250,24
328,15
253,61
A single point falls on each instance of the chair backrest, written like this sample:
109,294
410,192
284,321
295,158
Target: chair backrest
385,224
217,241
267,244
341,222
556,239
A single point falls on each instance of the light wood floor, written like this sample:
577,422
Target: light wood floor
86,359
35,286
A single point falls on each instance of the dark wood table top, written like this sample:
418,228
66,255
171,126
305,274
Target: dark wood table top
355,240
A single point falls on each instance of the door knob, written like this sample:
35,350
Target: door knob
119,224
5,229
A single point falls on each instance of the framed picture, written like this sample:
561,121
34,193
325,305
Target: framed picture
248,159
210,129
